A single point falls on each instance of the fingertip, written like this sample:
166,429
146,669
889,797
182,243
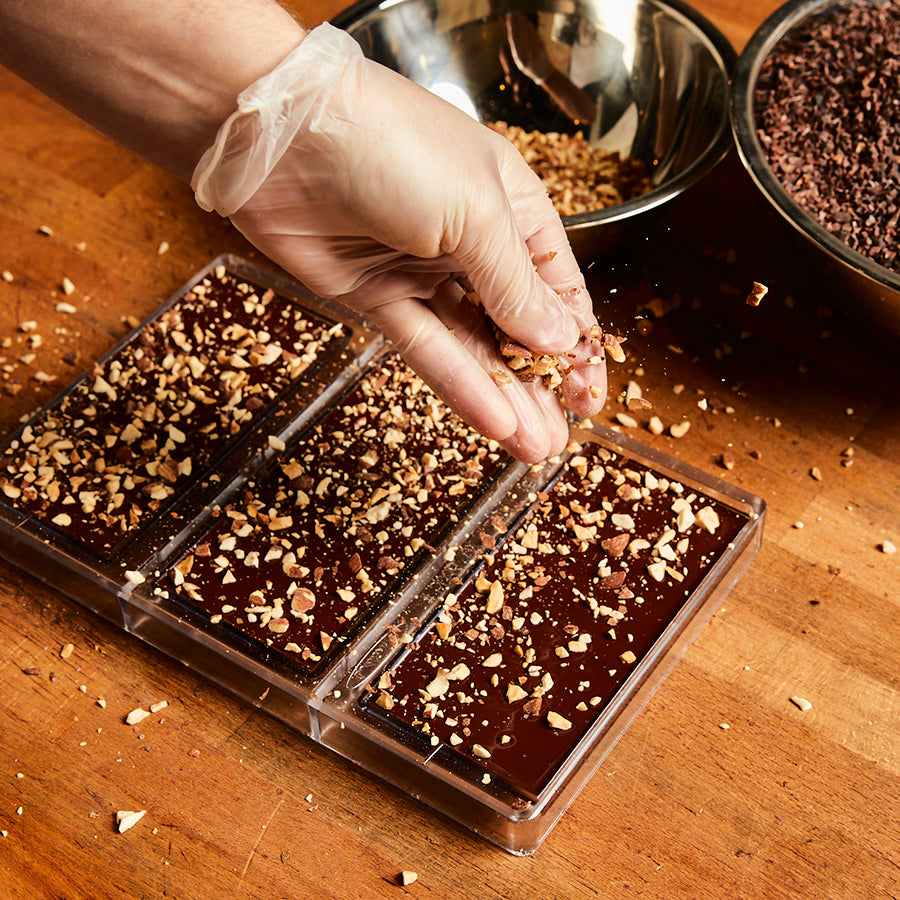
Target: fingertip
554,329
586,401
533,449
542,430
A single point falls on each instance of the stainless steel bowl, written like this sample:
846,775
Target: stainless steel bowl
656,71
862,286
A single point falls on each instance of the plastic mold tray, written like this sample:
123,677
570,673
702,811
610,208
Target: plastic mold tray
252,482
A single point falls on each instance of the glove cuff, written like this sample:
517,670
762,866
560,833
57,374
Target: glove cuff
270,112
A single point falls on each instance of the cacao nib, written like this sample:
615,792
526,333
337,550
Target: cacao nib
828,116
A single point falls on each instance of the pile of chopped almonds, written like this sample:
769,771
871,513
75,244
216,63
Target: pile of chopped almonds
138,427
537,644
579,178
528,365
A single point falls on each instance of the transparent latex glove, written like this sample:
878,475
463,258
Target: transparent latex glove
373,191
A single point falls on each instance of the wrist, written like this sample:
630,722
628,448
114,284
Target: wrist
269,114
231,65
228,56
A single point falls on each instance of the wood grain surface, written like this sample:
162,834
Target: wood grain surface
722,788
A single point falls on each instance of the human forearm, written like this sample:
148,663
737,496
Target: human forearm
158,77
366,187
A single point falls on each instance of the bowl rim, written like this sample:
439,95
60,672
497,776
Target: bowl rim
726,58
753,156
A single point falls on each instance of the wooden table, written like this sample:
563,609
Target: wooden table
723,787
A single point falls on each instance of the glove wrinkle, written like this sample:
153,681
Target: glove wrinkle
375,192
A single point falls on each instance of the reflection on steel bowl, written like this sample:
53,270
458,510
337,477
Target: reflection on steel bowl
647,79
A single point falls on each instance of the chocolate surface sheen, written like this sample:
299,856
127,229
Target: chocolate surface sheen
307,554
527,655
123,444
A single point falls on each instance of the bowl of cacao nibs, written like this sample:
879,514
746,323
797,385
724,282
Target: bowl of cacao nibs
618,105
816,118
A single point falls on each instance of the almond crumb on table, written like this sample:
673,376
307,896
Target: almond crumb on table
126,819
136,716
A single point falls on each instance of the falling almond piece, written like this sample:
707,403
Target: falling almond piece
613,346
757,292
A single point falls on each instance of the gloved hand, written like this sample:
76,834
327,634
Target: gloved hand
373,191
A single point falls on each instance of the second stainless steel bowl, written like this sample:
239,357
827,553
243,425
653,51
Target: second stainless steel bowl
858,284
